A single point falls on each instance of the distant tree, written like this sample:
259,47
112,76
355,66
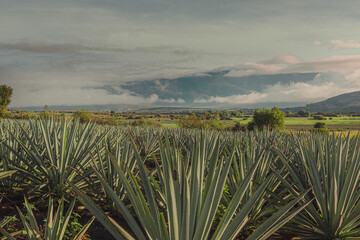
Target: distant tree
24,115
289,114
225,115
273,118
107,120
5,96
84,116
200,122
303,113
207,115
320,127
239,127
319,117
236,113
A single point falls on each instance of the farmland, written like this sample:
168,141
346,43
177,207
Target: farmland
171,120
166,183
291,123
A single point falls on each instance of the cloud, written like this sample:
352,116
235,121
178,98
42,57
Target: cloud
258,68
234,99
306,92
47,47
283,59
39,88
337,75
348,66
339,44
275,65
287,59
162,86
171,100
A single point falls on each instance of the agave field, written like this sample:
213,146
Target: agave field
157,183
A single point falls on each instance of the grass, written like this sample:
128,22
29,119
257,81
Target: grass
352,121
335,123
170,125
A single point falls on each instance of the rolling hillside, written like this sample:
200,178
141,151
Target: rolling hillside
347,102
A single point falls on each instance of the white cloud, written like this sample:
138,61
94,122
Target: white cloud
337,75
305,92
263,68
285,59
348,66
180,100
171,100
339,44
234,99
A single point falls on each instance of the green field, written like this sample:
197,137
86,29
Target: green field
295,122
351,121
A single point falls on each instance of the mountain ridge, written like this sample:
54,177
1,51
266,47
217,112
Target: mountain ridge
344,102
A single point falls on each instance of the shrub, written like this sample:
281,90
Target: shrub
200,122
145,122
273,118
84,116
238,127
303,113
319,117
320,127
24,115
108,120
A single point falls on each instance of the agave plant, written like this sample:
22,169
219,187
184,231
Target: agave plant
48,152
182,199
146,138
56,224
3,222
123,153
331,165
7,158
254,148
4,174
4,232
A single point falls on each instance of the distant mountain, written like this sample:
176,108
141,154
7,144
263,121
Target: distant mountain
183,91
347,102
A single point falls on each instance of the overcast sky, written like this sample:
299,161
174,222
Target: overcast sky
61,52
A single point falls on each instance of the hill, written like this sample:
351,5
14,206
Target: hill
348,102
345,102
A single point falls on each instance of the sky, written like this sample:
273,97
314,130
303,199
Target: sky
63,52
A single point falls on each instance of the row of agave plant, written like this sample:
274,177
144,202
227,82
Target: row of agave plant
183,184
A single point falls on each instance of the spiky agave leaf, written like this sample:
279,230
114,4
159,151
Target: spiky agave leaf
56,222
192,190
48,152
331,165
